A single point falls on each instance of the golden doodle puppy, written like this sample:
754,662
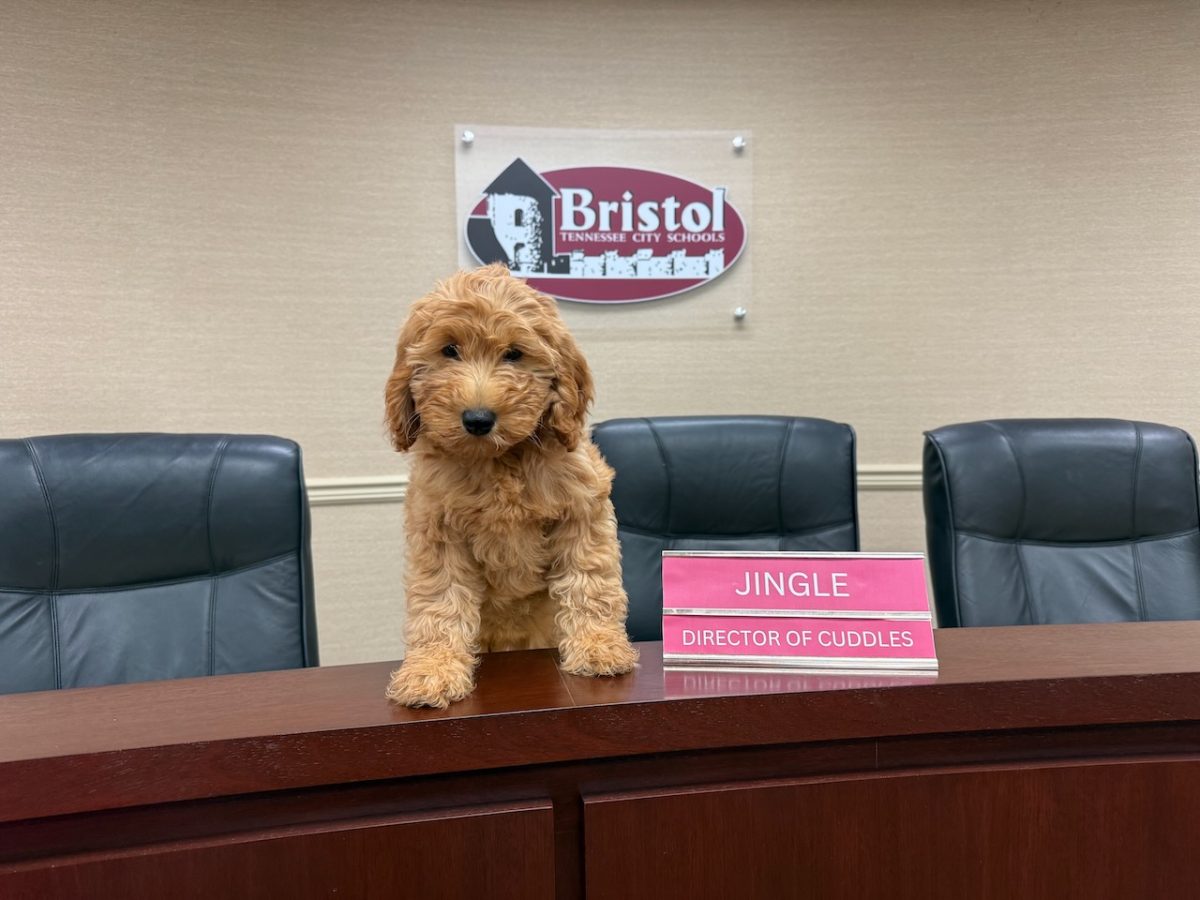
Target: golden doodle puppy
512,540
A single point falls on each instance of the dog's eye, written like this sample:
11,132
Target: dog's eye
512,354
450,351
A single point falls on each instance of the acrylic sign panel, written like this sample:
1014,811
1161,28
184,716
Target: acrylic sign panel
605,218
818,610
847,585
795,641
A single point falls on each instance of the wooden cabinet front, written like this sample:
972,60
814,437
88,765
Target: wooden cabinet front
495,852
1050,832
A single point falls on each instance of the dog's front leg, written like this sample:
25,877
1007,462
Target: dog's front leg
592,605
442,629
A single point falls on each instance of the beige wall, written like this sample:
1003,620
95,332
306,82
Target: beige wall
212,216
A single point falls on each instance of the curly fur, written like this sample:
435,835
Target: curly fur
512,540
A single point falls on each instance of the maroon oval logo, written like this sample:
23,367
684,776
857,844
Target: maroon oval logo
605,234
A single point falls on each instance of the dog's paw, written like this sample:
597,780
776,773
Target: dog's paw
598,653
434,681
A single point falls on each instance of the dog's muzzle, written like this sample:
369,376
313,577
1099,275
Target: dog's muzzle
478,421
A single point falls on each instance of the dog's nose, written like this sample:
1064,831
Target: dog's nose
478,421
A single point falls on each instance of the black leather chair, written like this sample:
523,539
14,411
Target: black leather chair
130,557
724,483
1033,521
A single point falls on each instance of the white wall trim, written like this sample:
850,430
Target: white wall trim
889,477
351,491
394,488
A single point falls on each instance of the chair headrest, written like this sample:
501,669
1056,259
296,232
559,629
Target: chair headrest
104,510
1073,480
729,475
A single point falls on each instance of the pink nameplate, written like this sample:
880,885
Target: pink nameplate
797,610
792,641
847,585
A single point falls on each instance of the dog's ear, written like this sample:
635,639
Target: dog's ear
403,423
572,392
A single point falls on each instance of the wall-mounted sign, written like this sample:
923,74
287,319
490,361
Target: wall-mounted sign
605,234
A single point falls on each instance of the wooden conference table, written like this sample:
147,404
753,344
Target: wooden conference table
1043,762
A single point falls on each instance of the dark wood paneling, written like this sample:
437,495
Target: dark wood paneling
497,852
245,774
1119,831
100,748
117,828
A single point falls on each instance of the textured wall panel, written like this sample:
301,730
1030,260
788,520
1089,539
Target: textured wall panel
213,214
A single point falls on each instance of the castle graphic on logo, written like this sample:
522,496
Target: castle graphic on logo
516,224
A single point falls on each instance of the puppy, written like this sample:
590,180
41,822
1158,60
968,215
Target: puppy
511,536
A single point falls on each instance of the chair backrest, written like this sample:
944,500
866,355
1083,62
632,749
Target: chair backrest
1033,521
724,483
130,557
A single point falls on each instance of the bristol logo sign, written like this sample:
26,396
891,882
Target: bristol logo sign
605,234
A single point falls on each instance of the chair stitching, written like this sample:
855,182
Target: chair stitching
1119,542
854,485
170,581
56,642
1025,583
212,485
212,557
953,524
783,449
695,535
662,452
1137,465
1020,519
1137,577
1195,473
303,540
212,623
1137,557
